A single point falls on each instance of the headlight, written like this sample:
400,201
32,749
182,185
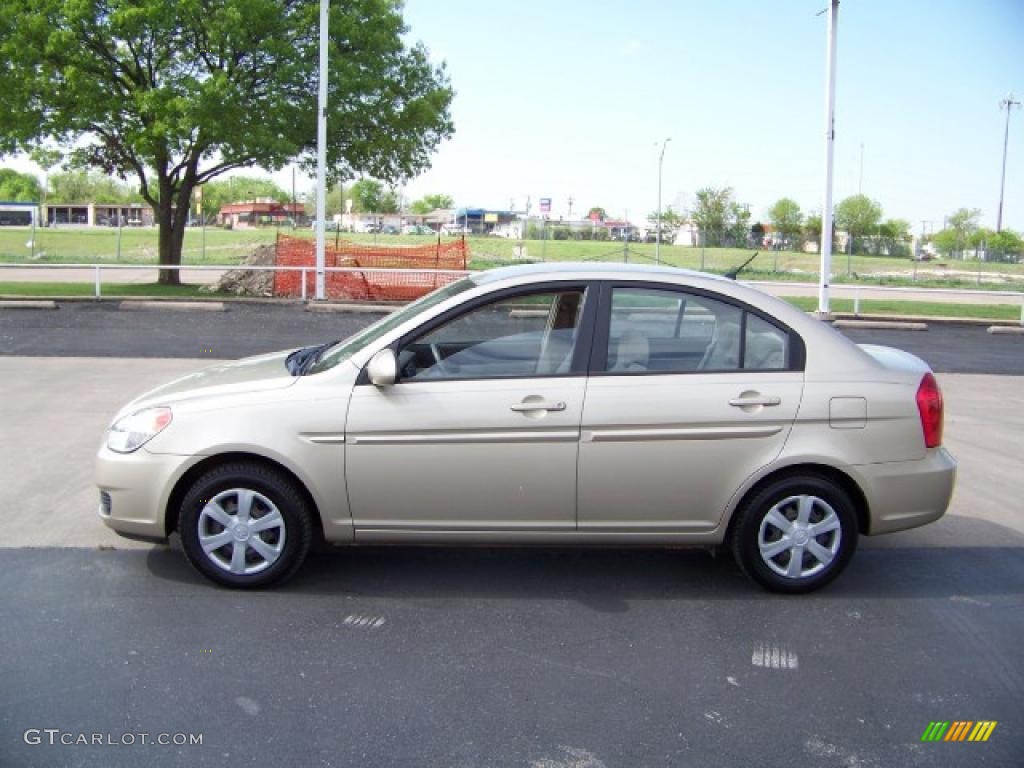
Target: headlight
132,432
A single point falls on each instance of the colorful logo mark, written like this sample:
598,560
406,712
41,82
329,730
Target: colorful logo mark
958,730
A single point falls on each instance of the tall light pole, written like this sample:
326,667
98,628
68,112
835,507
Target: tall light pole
830,135
657,234
321,155
1008,103
860,178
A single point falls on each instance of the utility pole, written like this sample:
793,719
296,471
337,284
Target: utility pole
1008,103
860,178
321,156
830,135
570,207
657,233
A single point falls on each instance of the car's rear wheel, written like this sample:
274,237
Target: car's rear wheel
245,525
796,534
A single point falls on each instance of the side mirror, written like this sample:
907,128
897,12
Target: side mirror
382,370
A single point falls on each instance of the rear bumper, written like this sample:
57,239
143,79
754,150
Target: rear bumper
907,494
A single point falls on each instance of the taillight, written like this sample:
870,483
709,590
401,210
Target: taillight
929,405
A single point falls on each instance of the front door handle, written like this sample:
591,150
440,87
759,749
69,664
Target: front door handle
538,405
744,401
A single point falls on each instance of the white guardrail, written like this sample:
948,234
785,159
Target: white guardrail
937,292
836,288
96,269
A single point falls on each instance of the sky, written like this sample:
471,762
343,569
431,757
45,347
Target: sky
573,99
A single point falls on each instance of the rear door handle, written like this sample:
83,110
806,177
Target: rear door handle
538,405
742,402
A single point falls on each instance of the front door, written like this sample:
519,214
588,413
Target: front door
690,394
481,431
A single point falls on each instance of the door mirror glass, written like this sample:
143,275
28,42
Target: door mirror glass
382,369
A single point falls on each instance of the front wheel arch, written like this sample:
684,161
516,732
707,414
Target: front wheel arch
189,478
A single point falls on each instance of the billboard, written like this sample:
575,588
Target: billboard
545,205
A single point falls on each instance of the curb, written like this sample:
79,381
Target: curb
27,304
1005,330
173,306
362,309
881,325
937,319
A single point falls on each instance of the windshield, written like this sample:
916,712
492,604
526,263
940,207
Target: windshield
344,349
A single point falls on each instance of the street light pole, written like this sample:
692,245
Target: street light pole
321,155
830,135
1009,104
657,234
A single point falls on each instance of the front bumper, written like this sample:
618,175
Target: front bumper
137,486
907,494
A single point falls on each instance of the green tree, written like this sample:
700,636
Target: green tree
858,215
80,186
174,93
671,221
786,217
946,242
18,187
713,214
237,189
812,229
597,213
429,203
1006,244
963,222
371,196
894,238
739,224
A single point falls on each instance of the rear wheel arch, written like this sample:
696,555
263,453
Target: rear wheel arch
189,478
837,476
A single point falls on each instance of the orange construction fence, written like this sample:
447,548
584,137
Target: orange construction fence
378,283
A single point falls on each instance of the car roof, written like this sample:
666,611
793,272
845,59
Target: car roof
580,269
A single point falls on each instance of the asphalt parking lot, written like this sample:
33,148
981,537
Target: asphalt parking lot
488,657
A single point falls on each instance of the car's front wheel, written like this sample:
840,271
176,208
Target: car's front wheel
245,525
796,534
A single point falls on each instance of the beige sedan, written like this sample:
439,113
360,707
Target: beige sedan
547,404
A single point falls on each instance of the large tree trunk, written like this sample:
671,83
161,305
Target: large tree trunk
171,220
166,221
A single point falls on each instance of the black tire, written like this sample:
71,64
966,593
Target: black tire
293,536
746,532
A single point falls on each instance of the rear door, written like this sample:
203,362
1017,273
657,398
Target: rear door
689,394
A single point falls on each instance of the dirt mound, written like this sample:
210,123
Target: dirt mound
241,282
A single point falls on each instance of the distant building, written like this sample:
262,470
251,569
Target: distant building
263,211
18,214
481,221
99,214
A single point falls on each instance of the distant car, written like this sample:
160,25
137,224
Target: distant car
329,226
389,229
544,404
416,229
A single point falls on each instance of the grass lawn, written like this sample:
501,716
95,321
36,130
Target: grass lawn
109,289
922,308
808,303
139,246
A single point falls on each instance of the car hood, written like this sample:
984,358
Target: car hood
251,374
